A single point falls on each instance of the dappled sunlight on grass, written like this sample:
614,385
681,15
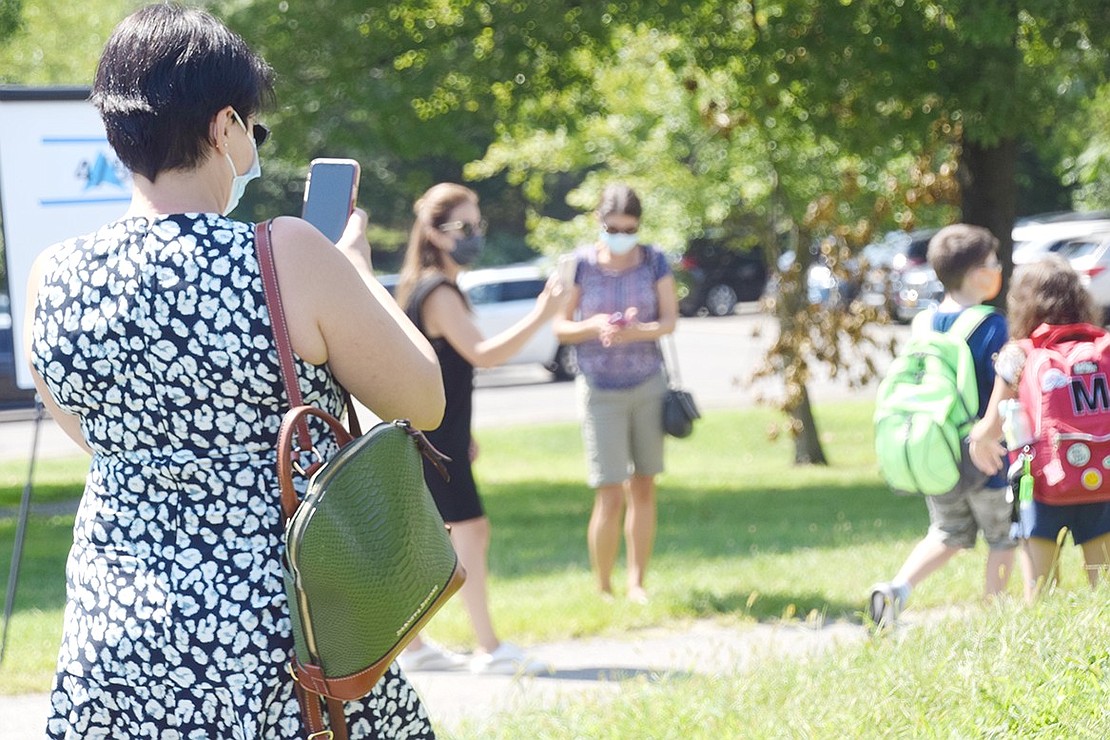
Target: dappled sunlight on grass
743,536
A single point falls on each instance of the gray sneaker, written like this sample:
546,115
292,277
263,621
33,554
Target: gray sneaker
883,608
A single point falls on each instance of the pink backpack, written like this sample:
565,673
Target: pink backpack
1066,392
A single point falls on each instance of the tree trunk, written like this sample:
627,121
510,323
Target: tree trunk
988,185
807,445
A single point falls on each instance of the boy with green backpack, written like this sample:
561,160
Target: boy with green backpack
933,393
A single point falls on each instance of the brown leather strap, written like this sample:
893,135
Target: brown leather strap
292,421
313,716
338,719
309,701
268,268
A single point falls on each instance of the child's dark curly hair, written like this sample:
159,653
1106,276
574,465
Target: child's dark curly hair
1047,291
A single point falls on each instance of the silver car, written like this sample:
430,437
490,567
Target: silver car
502,296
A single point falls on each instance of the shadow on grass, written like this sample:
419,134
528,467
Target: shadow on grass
810,606
539,527
610,674
41,580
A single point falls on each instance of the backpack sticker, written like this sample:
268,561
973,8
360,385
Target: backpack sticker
1092,479
1052,380
1078,454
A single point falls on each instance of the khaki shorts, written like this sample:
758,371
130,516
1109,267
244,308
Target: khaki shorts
622,430
955,518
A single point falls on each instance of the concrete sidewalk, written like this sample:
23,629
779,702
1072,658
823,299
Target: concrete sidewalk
594,667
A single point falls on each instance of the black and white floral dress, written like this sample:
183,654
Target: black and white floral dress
156,334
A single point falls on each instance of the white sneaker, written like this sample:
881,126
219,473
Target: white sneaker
507,660
430,657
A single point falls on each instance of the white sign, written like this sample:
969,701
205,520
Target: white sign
58,179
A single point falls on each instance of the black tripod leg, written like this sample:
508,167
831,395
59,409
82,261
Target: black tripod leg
20,531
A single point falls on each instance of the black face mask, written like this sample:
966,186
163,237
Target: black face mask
467,249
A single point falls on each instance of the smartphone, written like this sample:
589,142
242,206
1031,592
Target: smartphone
329,195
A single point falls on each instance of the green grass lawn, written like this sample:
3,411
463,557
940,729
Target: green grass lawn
743,536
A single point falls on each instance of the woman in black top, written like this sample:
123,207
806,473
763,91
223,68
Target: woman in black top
447,236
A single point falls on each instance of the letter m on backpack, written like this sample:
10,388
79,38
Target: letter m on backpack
925,408
1065,391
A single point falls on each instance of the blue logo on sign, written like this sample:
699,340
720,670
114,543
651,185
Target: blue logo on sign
102,172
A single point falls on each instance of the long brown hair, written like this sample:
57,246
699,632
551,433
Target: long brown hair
1047,291
431,211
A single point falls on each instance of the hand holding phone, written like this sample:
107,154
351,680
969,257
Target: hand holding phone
329,195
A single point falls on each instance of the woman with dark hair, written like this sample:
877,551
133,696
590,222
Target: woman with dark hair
151,344
447,235
623,301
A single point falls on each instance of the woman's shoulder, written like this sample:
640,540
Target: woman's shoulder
434,283
656,258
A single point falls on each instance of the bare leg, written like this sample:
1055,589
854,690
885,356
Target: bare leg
1044,562
1000,563
604,534
639,532
471,541
925,559
1028,575
1096,556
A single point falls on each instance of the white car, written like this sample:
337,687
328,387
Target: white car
1090,256
1034,239
502,296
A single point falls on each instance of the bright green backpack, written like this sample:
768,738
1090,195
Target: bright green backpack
925,408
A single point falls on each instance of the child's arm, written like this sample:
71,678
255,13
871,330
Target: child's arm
985,440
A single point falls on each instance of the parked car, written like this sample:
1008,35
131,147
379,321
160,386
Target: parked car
502,296
898,275
1036,237
823,284
715,273
1090,256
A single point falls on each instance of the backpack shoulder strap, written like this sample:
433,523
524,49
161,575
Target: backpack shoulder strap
969,320
922,324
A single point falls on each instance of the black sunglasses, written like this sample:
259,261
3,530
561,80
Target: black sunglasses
467,228
259,131
614,230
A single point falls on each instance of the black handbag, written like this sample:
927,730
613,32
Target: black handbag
679,410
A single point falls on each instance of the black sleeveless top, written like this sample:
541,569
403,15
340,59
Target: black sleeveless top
457,500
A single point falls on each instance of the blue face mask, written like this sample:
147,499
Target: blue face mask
239,183
619,243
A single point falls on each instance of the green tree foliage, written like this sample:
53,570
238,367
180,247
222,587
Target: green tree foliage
411,89
11,18
829,119
58,43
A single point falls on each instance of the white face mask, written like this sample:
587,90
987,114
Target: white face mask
239,182
619,243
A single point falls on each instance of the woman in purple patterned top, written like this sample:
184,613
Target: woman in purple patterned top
622,302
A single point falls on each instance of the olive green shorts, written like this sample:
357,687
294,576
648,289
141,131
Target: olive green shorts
622,430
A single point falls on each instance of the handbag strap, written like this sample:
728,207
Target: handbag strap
268,268
311,713
670,361
313,717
